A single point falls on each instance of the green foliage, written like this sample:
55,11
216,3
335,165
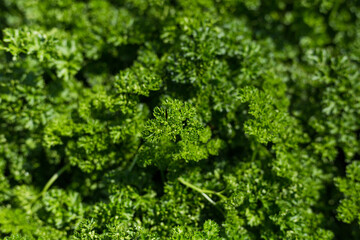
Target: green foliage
201,119
210,231
348,210
176,134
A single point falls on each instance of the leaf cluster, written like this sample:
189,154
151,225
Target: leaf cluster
201,119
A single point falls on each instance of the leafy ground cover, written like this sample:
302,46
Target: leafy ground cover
179,119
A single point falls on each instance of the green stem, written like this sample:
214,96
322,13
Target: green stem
253,157
50,182
135,158
133,163
202,191
53,179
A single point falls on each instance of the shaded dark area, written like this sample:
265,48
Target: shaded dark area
112,60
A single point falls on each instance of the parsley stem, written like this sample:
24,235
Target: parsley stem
203,193
200,190
133,163
53,179
253,157
50,182
135,158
